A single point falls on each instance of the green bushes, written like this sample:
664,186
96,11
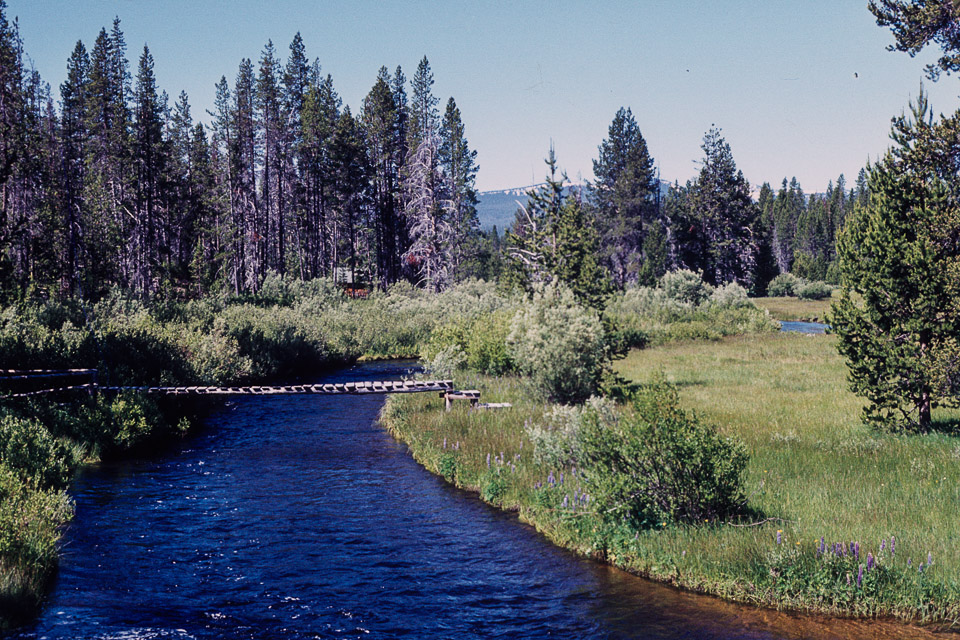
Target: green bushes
787,284
558,345
814,291
29,448
655,463
30,522
683,307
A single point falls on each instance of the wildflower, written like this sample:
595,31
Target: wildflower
822,546
488,461
848,579
561,478
929,558
869,561
860,576
909,561
566,501
683,554
893,545
883,544
779,536
921,568
444,442
856,551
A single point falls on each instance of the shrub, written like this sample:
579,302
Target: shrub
814,291
30,523
729,295
685,286
559,345
27,446
657,463
556,442
785,284
487,350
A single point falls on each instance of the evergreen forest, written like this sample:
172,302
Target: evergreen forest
109,183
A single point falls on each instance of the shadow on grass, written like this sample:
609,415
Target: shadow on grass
946,426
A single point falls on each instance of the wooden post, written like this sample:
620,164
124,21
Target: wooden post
94,380
447,401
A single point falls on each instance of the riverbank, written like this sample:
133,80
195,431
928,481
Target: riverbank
816,477
288,329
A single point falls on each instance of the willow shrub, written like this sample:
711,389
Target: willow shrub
559,345
657,463
30,522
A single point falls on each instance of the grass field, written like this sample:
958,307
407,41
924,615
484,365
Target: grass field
795,309
814,471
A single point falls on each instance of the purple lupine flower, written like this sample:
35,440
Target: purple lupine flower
921,568
566,501
851,547
856,551
588,499
779,536
893,545
822,546
488,461
444,442
860,576
929,558
561,478
883,544
869,561
909,561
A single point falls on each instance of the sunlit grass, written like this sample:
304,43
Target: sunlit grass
815,470
795,309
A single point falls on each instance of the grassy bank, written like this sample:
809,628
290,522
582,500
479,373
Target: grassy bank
814,471
796,309
289,328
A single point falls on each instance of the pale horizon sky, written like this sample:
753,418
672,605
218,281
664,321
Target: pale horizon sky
803,88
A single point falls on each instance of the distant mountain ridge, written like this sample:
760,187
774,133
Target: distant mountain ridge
498,208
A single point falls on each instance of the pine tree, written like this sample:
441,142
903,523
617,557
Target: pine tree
149,156
458,164
428,210
897,319
920,22
720,198
321,111
552,240
379,122
627,194
73,138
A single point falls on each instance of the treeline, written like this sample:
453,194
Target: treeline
623,230
116,186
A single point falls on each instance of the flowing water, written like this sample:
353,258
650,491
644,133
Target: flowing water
803,327
299,517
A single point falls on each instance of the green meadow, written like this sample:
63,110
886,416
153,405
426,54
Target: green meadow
814,471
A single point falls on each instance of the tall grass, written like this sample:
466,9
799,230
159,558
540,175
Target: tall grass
814,472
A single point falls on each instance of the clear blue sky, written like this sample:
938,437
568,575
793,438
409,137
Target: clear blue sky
776,75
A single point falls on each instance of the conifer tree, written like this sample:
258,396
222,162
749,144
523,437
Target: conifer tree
726,214
459,166
897,319
627,194
552,240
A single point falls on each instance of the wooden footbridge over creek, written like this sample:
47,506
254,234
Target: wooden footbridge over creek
444,387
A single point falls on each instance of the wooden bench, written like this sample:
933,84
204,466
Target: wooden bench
473,395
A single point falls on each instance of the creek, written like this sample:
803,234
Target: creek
299,517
